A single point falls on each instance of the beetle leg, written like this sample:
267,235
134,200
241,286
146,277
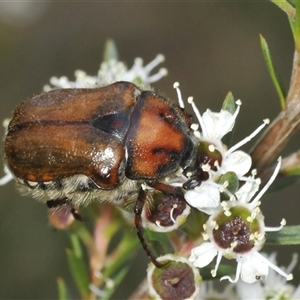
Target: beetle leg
138,224
57,202
65,201
166,189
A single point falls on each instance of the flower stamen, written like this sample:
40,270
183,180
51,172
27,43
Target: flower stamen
249,137
179,95
274,267
271,180
278,228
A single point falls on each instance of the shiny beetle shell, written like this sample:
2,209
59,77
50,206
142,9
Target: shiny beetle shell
101,143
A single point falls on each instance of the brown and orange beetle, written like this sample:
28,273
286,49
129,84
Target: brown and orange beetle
73,146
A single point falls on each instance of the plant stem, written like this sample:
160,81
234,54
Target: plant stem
280,131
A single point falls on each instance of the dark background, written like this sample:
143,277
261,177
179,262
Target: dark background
210,47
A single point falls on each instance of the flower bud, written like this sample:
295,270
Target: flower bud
167,212
178,279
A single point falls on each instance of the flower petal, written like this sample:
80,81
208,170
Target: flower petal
253,268
238,162
208,196
218,124
247,191
201,256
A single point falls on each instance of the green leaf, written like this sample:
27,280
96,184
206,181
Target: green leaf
62,289
110,51
83,234
286,7
229,103
76,245
289,10
79,273
267,55
230,106
289,235
233,183
293,171
122,253
293,2
297,27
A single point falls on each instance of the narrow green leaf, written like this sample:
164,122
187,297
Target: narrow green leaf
83,234
125,249
289,10
79,273
230,106
289,235
297,27
110,51
279,89
293,2
62,289
229,103
286,7
76,245
293,171
292,24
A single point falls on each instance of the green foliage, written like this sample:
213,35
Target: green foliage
289,235
78,267
229,103
62,289
268,59
110,51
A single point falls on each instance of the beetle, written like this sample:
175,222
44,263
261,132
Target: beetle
73,146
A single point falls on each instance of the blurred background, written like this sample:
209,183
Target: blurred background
210,48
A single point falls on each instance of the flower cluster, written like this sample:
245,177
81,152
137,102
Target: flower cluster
111,71
235,228
217,186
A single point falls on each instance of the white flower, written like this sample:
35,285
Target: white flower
214,127
213,157
236,230
273,287
112,71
